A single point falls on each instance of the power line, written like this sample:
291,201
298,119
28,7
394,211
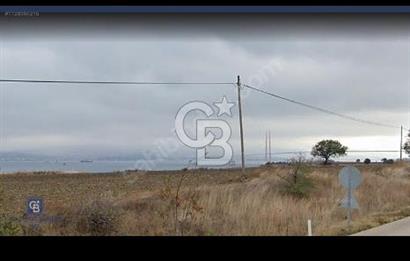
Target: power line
348,151
284,153
320,109
202,83
108,82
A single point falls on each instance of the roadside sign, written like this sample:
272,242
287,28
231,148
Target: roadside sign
350,178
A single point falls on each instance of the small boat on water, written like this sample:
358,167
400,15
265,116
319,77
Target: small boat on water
86,161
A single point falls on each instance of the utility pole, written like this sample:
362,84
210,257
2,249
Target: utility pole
238,83
270,152
401,143
266,146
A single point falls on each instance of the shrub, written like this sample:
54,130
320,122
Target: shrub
297,183
388,161
8,226
367,161
98,219
300,188
181,205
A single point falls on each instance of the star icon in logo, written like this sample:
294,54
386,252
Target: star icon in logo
224,107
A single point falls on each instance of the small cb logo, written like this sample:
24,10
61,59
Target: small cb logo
34,206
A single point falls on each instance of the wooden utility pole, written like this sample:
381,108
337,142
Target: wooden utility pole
238,83
266,146
270,151
401,143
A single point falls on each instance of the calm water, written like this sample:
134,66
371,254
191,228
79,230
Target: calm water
9,166
76,166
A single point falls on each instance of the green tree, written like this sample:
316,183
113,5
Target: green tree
407,144
327,149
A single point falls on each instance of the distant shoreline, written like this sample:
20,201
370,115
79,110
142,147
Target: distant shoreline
178,170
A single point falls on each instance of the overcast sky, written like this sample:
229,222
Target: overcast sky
358,67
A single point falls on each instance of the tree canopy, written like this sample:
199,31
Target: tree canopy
406,146
327,149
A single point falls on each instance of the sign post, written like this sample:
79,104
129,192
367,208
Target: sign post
350,178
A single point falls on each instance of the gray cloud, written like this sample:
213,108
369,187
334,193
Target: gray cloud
357,67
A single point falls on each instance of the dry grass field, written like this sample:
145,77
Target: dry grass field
263,201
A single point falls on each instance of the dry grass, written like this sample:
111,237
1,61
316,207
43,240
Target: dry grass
207,202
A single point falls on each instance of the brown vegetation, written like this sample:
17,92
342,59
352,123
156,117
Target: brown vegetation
206,202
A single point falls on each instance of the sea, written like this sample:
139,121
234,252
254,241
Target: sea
99,166
105,166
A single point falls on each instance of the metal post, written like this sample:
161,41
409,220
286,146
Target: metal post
238,83
349,201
